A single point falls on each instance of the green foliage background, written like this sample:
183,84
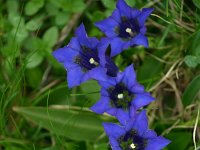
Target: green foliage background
39,112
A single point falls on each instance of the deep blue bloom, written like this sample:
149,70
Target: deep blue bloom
134,135
82,59
125,27
122,94
107,62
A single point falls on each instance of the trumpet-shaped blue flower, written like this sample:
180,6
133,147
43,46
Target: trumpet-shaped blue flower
125,27
82,59
134,135
122,94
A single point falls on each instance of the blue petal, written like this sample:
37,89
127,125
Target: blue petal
93,43
157,143
143,30
116,148
141,123
74,44
97,73
112,111
142,100
129,76
116,16
113,142
122,116
104,92
101,106
113,130
140,39
66,56
82,36
149,134
137,88
143,15
74,77
124,9
81,32
102,47
135,13
106,84
117,46
108,26
132,112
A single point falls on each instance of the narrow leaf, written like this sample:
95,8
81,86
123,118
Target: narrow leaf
191,91
75,124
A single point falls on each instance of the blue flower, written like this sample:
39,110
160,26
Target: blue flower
125,27
107,62
122,94
134,135
82,59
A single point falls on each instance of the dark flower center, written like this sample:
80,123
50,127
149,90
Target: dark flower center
128,28
120,96
132,141
87,59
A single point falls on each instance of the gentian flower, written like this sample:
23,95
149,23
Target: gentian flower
82,59
125,27
121,94
134,135
107,62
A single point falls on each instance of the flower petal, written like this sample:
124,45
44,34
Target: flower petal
97,73
157,143
140,39
149,134
101,106
141,123
65,54
137,88
113,130
122,116
124,9
116,15
113,142
81,32
93,43
112,111
102,47
142,100
74,77
143,15
107,26
74,44
116,46
106,84
129,76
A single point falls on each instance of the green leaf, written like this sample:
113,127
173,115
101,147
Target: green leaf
12,6
20,34
33,6
191,91
110,4
34,24
76,124
196,3
34,60
91,89
51,36
191,61
61,18
149,72
34,77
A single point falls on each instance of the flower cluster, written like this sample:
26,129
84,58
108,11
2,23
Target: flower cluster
122,96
